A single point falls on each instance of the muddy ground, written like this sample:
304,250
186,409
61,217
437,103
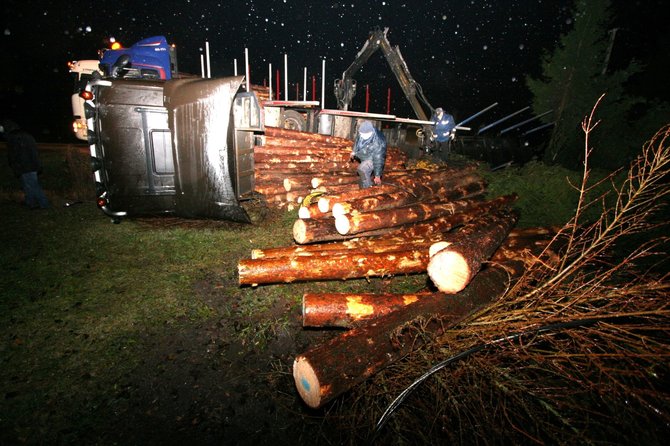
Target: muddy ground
196,386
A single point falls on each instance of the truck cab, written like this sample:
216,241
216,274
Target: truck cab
182,147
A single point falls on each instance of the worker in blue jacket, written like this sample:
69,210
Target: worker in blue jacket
444,132
370,150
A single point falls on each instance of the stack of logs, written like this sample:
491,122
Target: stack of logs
418,221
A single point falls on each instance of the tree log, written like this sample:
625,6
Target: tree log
325,202
339,267
279,132
454,262
467,186
357,222
345,310
332,368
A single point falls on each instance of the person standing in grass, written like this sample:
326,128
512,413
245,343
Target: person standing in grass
25,162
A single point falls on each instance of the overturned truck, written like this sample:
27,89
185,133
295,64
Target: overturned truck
182,147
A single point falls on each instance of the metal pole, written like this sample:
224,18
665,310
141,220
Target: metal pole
235,66
270,81
246,68
202,65
483,129
209,71
538,128
477,114
525,122
286,77
323,84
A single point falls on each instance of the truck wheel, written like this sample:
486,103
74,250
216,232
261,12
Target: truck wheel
293,120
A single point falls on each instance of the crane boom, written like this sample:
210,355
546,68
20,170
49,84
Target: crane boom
345,88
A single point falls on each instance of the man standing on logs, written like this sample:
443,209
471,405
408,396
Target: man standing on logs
370,150
444,132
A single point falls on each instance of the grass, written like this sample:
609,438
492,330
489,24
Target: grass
82,299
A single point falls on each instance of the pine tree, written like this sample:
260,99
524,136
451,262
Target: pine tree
573,77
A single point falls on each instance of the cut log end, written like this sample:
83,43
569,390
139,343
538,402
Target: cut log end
299,231
303,212
324,204
306,382
341,209
437,247
287,184
342,224
449,271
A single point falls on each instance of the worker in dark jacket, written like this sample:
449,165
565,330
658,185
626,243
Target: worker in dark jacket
444,132
370,150
23,159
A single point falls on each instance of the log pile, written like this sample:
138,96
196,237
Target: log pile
419,221
288,162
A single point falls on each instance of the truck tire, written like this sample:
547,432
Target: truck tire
293,120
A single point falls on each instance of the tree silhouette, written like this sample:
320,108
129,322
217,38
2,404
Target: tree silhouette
573,77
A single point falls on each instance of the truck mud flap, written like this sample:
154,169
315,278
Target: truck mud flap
200,119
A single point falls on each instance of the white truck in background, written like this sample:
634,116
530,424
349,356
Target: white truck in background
82,72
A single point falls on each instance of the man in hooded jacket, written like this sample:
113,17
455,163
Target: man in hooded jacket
370,150
23,159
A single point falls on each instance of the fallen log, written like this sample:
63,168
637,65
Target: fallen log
344,309
454,262
328,370
347,310
427,232
280,132
323,230
337,267
467,186
358,222
334,367
326,201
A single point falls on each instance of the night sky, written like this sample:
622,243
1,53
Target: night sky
465,54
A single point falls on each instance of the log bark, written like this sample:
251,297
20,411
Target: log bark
328,370
467,186
454,262
334,367
347,310
279,132
344,310
427,233
339,267
357,222
323,230
325,202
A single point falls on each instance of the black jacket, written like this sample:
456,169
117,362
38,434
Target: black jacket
22,152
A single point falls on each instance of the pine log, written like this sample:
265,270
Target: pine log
462,187
366,264
390,176
393,241
298,135
339,267
334,367
345,310
358,222
454,263
325,202
328,370
323,230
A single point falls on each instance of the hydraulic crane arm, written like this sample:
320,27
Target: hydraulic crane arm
345,88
